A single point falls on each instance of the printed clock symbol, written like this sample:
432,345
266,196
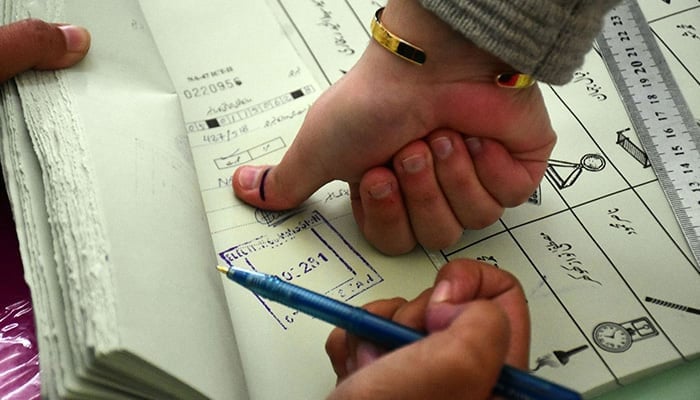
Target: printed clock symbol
612,337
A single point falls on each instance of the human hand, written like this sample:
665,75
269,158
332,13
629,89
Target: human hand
477,320
35,44
427,150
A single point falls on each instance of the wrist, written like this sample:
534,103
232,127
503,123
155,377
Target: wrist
449,55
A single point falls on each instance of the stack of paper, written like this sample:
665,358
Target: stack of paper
113,235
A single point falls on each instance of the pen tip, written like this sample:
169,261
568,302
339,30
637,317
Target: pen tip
222,269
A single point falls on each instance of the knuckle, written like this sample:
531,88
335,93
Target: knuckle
335,341
519,196
41,33
482,218
394,247
384,305
440,241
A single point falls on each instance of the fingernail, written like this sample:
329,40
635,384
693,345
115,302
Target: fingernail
441,293
380,190
442,147
473,145
249,177
439,316
367,353
413,164
77,38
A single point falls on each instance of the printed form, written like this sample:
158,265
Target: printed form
612,288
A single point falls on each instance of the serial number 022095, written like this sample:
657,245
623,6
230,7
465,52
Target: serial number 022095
211,88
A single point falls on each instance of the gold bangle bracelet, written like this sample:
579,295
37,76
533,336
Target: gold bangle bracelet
514,80
393,43
416,55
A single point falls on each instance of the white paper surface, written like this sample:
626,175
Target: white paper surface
217,84
577,247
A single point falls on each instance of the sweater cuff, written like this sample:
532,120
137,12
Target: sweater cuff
546,39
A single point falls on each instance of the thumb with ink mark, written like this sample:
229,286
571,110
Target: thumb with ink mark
282,186
314,158
335,141
347,131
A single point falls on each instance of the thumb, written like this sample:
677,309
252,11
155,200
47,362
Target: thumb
279,187
33,43
337,140
314,158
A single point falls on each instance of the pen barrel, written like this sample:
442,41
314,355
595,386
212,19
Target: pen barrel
512,383
355,320
366,325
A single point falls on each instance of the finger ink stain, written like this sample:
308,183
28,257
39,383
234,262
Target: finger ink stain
262,184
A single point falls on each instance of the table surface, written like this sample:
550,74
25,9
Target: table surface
680,383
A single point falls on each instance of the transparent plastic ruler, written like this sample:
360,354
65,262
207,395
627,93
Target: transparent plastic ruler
658,112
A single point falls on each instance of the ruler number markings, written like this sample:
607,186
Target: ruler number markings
658,112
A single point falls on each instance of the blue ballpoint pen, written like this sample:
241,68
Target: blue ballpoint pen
512,383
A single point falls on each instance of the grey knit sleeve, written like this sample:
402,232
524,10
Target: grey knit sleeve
545,38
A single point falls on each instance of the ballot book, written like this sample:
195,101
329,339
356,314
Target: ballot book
119,174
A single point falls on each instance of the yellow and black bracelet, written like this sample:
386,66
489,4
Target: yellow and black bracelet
514,80
393,43
410,52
